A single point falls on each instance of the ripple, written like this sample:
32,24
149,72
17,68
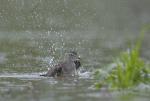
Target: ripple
21,75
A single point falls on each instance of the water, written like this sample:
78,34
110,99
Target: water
35,34
24,55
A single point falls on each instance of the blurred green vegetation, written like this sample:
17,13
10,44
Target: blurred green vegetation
130,70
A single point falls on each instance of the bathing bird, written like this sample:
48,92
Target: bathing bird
69,66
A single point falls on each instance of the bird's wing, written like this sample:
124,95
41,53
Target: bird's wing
77,64
55,71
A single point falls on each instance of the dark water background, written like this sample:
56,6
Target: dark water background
33,33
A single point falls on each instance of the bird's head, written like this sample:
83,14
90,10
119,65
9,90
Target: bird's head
72,56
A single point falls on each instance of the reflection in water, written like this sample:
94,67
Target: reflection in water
32,87
35,88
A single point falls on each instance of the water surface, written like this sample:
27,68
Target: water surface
24,55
